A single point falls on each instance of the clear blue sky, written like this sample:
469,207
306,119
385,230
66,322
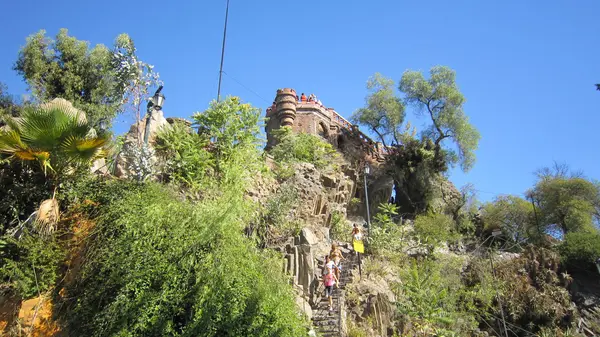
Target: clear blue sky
527,68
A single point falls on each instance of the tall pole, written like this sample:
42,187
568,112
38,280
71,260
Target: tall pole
366,173
223,52
148,120
367,203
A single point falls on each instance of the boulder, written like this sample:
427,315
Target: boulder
135,138
304,307
308,237
329,180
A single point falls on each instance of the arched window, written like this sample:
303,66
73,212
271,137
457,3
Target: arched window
322,130
340,142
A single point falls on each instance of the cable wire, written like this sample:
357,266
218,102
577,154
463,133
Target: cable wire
245,87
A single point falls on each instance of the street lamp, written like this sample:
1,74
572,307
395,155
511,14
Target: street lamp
155,103
103,125
367,171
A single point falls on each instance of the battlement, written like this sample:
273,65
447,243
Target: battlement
308,115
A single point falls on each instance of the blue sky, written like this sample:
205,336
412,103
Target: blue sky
527,68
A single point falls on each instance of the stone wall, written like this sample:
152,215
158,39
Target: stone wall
316,119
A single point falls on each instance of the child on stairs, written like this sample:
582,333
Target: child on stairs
329,280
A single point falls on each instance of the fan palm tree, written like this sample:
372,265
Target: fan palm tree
56,135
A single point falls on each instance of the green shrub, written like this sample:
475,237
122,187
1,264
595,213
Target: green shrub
302,147
580,250
22,188
434,229
185,154
386,237
339,229
276,217
159,266
431,295
30,264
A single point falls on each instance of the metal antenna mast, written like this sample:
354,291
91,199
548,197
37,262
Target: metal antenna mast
223,52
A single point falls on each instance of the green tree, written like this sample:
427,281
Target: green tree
440,98
185,155
383,113
579,250
55,134
96,80
8,104
229,125
565,202
513,215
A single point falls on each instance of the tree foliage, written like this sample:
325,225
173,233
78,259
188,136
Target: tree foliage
383,113
440,98
185,154
512,215
566,203
580,250
55,135
160,266
292,147
415,163
9,106
229,125
97,80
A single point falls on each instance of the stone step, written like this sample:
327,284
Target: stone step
329,329
331,334
325,321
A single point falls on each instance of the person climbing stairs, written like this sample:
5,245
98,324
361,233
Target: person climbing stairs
329,323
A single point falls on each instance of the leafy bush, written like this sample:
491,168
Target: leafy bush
431,298
185,154
433,229
580,250
386,237
30,265
276,217
339,229
158,266
229,125
23,188
302,147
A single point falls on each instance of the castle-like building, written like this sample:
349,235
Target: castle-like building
310,116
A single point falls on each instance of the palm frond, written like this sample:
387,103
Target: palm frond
54,130
84,149
10,142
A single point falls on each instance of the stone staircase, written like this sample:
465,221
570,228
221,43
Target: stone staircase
329,323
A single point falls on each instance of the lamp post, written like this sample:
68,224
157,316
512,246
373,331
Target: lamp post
102,125
367,171
155,103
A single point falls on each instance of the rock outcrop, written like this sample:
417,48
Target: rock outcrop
134,139
370,298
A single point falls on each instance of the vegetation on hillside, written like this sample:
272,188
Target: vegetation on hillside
182,250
